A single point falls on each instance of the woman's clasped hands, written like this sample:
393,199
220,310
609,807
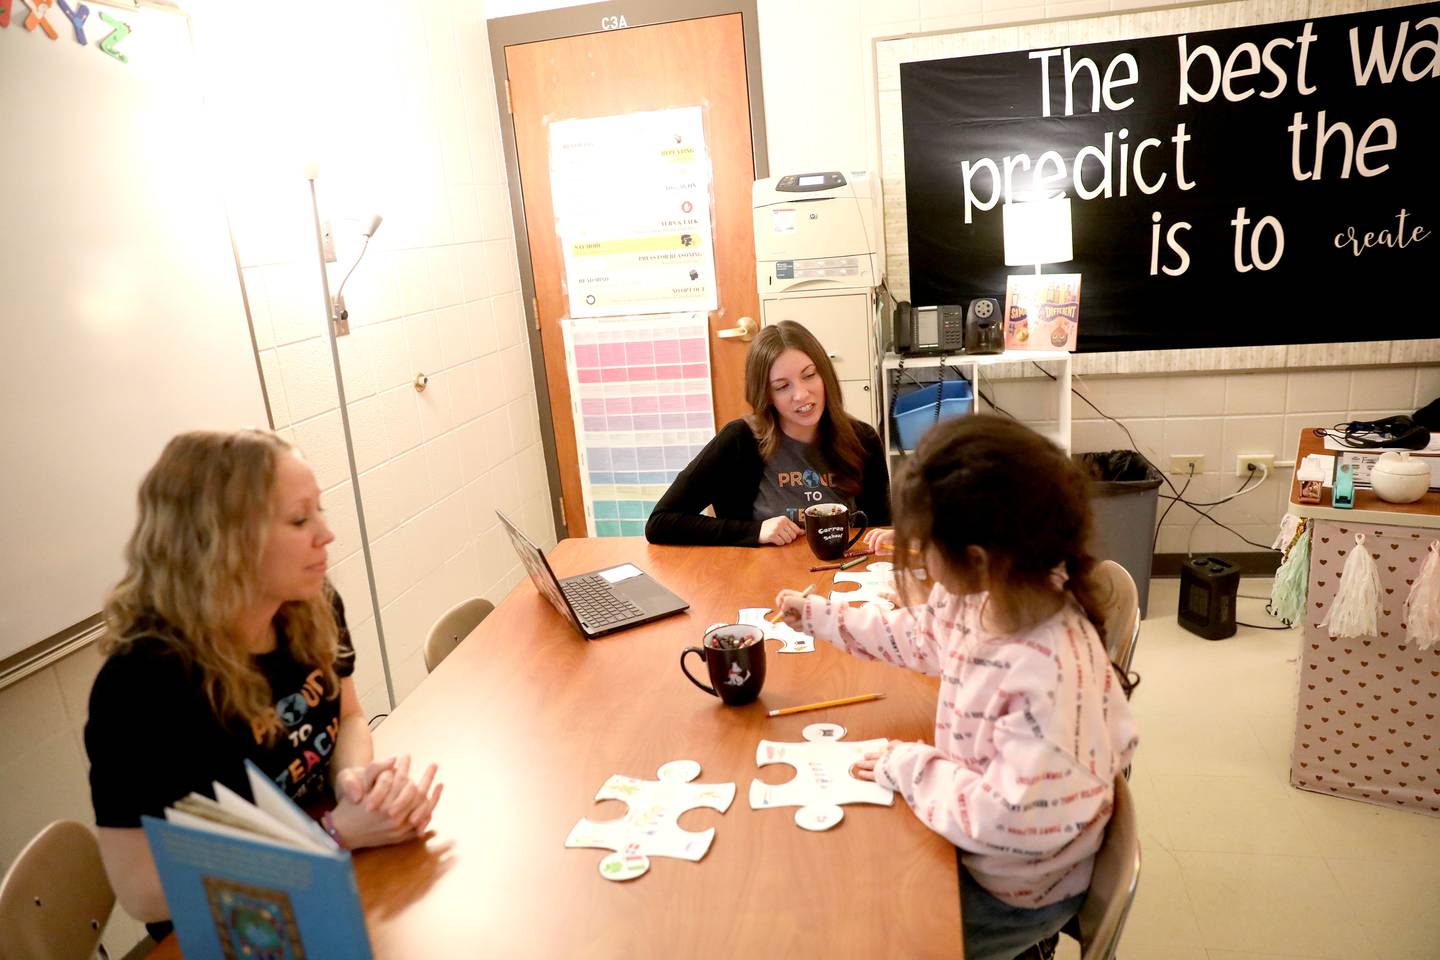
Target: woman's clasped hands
379,803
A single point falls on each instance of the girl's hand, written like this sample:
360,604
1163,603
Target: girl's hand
791,603
779,531
864,768
393,810
879,540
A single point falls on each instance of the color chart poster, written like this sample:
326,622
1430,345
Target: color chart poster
632,211
640,391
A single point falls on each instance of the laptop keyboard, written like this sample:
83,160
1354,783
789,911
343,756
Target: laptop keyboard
595,604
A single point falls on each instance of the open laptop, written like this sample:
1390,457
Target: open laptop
598,602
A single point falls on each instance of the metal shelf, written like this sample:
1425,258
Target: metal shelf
974,362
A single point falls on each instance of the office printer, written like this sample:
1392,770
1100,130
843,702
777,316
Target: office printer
816,232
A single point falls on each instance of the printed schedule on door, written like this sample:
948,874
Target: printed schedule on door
641,398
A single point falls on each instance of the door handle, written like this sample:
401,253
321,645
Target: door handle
744,330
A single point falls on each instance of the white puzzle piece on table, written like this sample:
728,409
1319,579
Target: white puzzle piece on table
822,776
874,578
649,827
791,640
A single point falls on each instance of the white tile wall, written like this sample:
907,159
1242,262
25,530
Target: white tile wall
1221,417
438,293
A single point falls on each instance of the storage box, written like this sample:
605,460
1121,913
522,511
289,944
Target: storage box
915,412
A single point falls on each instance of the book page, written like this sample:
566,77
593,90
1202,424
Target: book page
273,801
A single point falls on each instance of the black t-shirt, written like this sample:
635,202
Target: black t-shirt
153,738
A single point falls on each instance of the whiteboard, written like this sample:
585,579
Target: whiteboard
121,317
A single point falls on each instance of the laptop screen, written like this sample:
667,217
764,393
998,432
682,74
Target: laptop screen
540,573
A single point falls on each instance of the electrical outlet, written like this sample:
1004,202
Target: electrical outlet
1187,463
327,241
1246,461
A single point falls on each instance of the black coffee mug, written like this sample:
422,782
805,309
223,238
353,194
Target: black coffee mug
827,528
735,656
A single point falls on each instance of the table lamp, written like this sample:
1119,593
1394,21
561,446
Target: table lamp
1037,232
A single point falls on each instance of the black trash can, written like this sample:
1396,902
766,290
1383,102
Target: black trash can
1124,494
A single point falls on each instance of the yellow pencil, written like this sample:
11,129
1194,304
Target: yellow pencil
827,703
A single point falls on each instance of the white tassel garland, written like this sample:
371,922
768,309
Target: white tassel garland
1422,607
1288,589
1355,610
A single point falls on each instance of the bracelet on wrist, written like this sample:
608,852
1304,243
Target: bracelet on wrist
327,820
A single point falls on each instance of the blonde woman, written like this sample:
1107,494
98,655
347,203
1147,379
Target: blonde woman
227,643
799,447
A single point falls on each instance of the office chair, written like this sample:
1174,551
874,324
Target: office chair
454,626
1114,881
55,898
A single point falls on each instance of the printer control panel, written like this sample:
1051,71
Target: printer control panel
808,182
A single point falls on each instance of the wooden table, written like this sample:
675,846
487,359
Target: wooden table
1366,723
527,720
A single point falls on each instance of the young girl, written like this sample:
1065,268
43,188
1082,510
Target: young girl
226,643
799,448
1032,726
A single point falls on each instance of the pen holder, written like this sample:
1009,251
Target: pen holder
734,654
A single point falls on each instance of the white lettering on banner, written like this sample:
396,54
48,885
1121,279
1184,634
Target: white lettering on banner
1239,224
1323,135
1385,67
1172,241
1043,184
1100,90
1397,239
1222,77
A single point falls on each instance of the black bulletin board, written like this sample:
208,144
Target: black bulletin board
1235,142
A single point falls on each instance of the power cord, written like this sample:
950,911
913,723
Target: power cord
1244,489
1155,541
1178,493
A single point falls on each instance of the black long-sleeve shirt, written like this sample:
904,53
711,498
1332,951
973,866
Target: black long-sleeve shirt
727,475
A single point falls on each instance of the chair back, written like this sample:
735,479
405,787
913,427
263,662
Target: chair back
1113,882
55,898
1122,617
456,624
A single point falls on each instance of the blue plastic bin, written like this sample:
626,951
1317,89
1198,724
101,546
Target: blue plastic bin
915,411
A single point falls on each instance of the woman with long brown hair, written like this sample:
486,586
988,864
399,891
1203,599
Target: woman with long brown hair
798,448
226,643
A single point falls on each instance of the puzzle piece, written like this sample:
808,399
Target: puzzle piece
874,578
649,827
791,640
822,776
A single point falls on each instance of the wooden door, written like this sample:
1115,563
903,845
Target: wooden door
687,63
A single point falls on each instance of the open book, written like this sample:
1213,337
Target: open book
258,879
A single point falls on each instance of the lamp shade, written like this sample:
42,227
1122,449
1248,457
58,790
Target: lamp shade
1037,231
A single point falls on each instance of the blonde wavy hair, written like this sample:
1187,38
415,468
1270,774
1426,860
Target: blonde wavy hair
192,569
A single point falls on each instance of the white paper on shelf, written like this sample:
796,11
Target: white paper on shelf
1317,466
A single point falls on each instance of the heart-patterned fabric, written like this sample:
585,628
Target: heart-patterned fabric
1367,724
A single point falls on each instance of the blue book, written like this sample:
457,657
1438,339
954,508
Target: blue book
257,880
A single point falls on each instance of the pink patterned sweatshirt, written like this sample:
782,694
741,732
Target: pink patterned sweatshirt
1030,733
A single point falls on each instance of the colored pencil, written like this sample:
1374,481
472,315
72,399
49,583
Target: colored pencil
779,615
861,698
852,558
